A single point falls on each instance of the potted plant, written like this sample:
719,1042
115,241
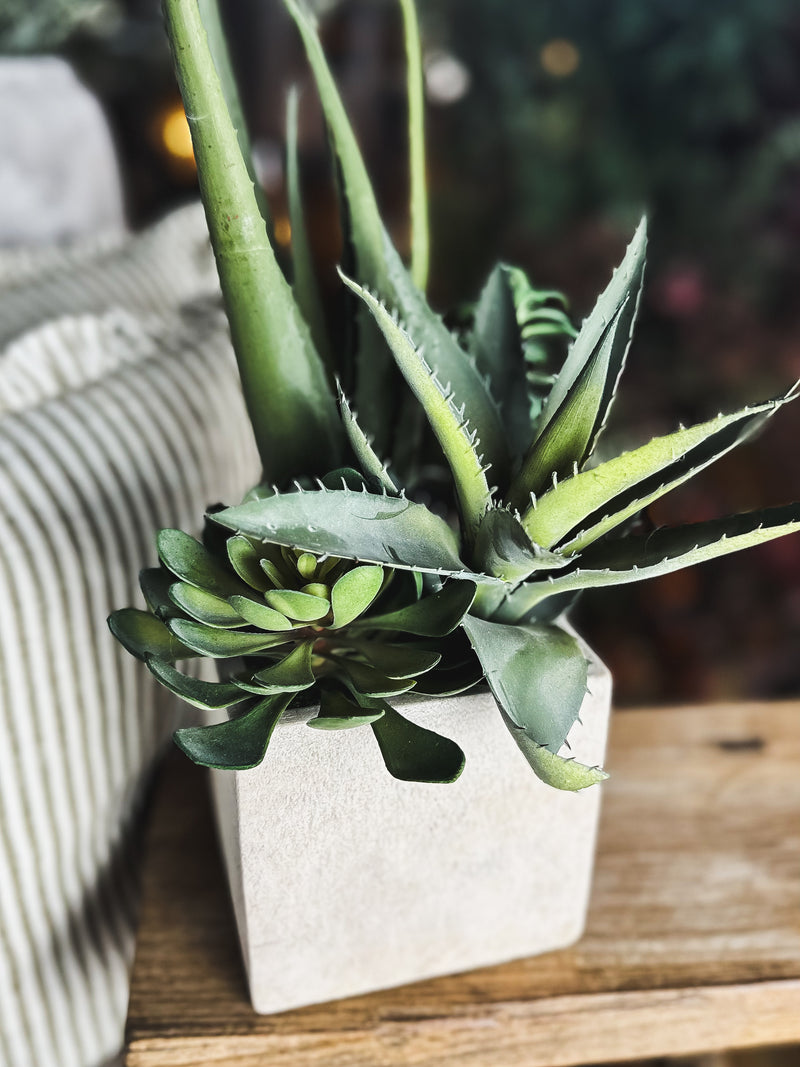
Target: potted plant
352,592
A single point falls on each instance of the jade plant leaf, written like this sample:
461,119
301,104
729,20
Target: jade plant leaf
354,592
302,607
351,525
193,563
154,583
258,614
433,616
578,404
208,695
220,644
338,712
412,753
204,606
397,661
537,674
363,680
247,563
597,500
291,674
237,744
142,634
561,772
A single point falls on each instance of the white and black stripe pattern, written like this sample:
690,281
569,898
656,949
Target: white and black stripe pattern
110,428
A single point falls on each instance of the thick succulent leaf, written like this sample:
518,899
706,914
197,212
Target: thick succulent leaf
362,526
193,563
496,348
304,285
433,616
597,500
288,398
338,712
142,634
503,548
246,561
558,771
204,606
208,695
292,674
258,614
524,604
414,754
459,444
449,681
633,559
363,680
420,240
221,644
397,661
354,592
581,397
537,675
371,465
238,744
302,607
154,583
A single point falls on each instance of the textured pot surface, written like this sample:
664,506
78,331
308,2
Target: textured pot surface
345,880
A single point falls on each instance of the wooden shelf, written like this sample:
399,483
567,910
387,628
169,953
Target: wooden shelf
693,940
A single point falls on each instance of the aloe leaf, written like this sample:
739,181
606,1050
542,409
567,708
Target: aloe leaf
537,675
434,616
290,405
495,346
459,445
363,680
579,402
362,526
561,772
633,559
221,644
354,592
237,744
379,266
208,695
260,615
291,674
193,563
420,240
142,634
367,458
154,583
597,500
305,283
246,561
204,606
397,661
337,712
301,607
504,548
413,753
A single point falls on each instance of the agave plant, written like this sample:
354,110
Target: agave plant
353,587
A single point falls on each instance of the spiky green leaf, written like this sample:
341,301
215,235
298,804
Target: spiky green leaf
504,549
371,465
579,402
561,772
237,744
537,674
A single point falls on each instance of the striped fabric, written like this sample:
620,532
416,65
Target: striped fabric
111,425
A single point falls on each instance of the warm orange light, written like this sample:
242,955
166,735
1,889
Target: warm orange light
175,135
283,231
560,57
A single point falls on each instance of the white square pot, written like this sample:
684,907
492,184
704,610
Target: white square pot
345,880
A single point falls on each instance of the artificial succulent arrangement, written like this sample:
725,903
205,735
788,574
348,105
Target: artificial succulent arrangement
356,573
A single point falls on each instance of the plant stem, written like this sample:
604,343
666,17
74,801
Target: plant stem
420,239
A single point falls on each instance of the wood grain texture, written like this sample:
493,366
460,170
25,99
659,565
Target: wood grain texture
693,940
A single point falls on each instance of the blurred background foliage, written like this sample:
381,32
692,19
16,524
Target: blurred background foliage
551,127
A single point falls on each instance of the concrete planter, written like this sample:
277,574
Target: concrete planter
345,880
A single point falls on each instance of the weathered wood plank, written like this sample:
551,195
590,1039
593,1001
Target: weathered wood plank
693,940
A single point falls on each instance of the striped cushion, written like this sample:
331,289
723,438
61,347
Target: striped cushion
111,426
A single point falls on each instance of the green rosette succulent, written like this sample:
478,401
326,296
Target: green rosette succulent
354,588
